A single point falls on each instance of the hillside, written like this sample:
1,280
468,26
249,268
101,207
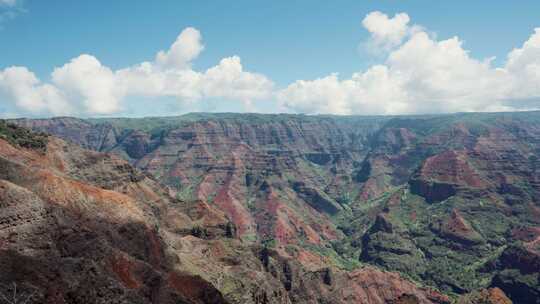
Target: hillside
448,201
79,226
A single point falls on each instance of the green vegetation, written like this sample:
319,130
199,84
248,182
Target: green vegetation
187,192
327,251
156,125
414,246
396,230
22,137
416,238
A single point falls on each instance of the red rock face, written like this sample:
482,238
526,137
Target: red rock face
52,219
457,228
226,162
456,186
379,287
80,227
452,167
195,289
75,130
486,296
229,199
530,236
369,285
124,270
442,175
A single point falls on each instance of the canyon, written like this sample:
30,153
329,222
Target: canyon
272,208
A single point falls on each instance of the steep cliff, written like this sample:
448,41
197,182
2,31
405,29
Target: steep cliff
79,226
438,198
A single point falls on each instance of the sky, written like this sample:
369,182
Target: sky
142,58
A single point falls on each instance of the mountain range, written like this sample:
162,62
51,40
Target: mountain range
272,208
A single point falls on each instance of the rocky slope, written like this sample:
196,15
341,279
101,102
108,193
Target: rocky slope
279,178
79,226
450,201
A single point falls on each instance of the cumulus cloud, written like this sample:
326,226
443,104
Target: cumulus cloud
418,74
229,80
524,65
187,47
88,83
374,91
86,86
422,75
29,94
387,32
384,30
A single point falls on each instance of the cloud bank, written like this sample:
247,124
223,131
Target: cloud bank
419,74
423,75
84,86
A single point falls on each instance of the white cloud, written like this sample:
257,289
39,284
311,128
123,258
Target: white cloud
149,79
171,75
386,32
229,80
89,87
362,94
524,65
422,75
187,47
27,93
87,82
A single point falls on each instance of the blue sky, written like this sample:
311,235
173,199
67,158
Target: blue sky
285,41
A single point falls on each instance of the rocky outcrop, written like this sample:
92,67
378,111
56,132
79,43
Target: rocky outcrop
86,134
518,274
386,244
485,296
79,226
456,228
438,197
443,175
22,137
433,192
369,285
363,285
316,199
